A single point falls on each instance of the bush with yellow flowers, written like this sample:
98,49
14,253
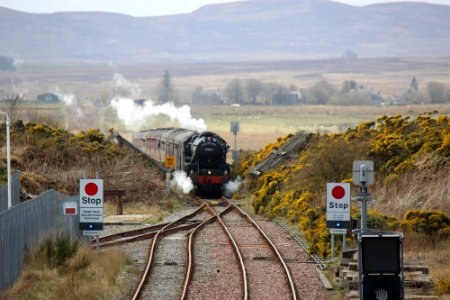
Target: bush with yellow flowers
296,190
427,221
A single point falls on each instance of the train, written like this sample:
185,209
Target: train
202,155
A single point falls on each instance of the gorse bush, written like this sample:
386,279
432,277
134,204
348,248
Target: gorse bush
428,222
399,147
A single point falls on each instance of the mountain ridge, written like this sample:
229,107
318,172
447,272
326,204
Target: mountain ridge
244,30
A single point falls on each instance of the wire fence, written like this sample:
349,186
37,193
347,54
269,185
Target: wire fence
25,224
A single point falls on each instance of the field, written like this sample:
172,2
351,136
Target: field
88,83
389,76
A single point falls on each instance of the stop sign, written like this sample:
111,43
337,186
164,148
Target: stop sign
338,205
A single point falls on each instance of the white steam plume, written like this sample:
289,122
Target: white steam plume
125,88
232,187
74,111
181,182
134,115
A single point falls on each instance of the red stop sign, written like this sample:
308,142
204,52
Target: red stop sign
91,189
338,192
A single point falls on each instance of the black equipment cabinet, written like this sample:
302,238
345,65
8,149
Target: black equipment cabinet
381,262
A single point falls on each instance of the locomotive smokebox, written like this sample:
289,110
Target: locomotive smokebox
208,154
207,149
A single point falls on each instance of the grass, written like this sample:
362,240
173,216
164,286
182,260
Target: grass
432,253
83,275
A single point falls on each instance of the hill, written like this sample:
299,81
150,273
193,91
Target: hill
249,30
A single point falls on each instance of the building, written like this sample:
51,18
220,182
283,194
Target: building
49,98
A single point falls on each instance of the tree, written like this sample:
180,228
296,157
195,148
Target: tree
438,92
320,93
234,91
253,89
166,92
414,84
348,85
269,91
11,104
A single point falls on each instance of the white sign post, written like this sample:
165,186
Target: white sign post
338,211
91,206
338,205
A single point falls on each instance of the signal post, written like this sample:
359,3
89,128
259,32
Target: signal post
380,254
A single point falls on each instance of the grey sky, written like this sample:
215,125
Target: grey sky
140,7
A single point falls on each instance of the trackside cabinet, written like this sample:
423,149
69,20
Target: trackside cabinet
381,262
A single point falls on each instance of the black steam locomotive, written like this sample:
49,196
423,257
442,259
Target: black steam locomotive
202,155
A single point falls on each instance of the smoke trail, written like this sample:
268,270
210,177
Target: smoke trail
232,187
181,182
134,115
74,111
125,88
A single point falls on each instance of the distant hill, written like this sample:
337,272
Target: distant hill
249,30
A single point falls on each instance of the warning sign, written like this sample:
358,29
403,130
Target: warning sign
170,162
91,204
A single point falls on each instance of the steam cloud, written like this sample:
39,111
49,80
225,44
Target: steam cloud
73,110
181,182
134,115
232,187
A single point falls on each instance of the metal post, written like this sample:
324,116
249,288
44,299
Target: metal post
8,159
364,199
235,154
332,246
97,243
343,243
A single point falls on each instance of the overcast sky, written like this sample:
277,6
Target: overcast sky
139,7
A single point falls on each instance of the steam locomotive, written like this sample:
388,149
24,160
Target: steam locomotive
202,155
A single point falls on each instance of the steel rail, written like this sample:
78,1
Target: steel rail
151,256
190,250
236,250
272,245
128,233
142,236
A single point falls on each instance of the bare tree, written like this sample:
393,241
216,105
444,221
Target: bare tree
253,89
234,91
438,92
166,92
12,105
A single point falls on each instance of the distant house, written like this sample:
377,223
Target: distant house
139,102
49,98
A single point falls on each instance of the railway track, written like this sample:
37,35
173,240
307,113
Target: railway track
215,252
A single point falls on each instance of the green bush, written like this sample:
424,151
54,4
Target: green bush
55,250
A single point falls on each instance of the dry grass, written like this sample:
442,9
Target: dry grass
431,252
88,275
427,188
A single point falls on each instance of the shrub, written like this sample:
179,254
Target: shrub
426,221
442,285
55,250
